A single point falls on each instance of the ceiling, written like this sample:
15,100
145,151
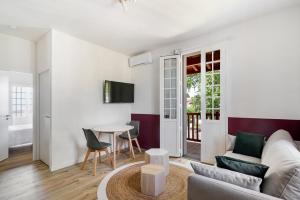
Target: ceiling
146,25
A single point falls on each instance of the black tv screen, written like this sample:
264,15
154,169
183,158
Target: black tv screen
118,92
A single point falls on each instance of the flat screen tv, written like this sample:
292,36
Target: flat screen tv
118,92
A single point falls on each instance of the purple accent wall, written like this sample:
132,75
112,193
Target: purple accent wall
149,130
264,126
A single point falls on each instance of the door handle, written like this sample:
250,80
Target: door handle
48,116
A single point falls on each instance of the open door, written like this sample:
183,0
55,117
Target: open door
213,105
4,114
170,105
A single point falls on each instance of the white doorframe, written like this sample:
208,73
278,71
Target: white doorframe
34,106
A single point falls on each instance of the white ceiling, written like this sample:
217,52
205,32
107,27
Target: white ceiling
147,24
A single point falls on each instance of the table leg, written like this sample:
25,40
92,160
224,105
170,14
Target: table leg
114,151
130,144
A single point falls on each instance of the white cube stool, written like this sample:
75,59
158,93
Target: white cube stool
158,157
153,179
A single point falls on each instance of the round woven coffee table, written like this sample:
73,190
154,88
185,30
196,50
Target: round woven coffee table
126,182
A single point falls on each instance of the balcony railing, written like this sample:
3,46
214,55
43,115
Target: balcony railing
194,130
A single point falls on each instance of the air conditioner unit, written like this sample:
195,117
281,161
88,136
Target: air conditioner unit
141,59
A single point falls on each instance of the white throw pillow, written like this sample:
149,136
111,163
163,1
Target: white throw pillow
230,142
236,178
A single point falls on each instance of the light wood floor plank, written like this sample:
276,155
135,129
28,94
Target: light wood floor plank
20,178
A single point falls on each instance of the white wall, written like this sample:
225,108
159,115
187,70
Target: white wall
16,54
78,71
44,53
263,57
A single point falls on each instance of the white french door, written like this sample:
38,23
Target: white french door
214,118
4,114
170,105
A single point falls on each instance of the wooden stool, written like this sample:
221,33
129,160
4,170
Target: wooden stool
158,157
153,179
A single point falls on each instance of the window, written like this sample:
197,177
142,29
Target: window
212,61
170,95
21,101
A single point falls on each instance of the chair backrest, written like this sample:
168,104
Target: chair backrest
91,139
136,125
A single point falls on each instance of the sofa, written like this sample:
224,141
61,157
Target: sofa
282,180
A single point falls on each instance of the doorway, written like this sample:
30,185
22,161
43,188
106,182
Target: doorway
16,111
192,105
204,113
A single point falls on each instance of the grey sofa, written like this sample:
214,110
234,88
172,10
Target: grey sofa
282,180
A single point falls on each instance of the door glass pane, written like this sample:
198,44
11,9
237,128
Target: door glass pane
213,81
167,83
167,103
167,73
208,57
167,93
167,113
173,113
173,103
216,102
216,114
173,93
173,73
217,79
217,55
217,91
173,83
170,87
208,79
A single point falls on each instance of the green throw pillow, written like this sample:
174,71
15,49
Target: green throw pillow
249,144
253,169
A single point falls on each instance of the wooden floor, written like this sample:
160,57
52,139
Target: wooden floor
20,178
193,150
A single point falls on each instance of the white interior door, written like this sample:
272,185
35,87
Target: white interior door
44,116
214,116
170,105
4,114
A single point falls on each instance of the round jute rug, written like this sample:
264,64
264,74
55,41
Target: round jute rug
126,184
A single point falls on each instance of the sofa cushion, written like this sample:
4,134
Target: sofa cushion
282,156
249,144
241,166
242,157
230,140
236,178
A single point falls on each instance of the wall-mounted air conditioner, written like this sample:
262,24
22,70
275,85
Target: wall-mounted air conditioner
141,59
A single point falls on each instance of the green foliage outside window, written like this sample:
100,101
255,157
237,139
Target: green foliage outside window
212,92
194,82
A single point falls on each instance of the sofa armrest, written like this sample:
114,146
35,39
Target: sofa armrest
204,188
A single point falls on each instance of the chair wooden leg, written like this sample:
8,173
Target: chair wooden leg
99,156
95,163
85,159
119,147
108,157
137,144
130,144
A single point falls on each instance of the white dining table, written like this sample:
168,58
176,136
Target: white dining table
114,131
